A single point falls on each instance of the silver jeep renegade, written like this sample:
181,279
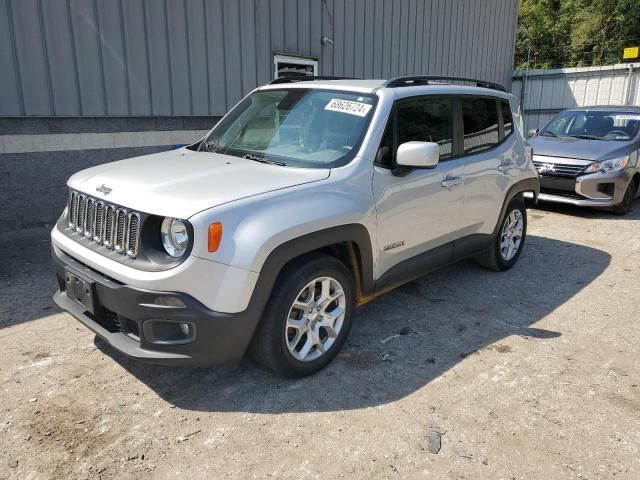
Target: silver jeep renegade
308,199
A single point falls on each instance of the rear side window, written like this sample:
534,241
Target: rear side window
480,120
507,120
426,119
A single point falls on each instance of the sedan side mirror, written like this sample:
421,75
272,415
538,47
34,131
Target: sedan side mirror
533,132
418,155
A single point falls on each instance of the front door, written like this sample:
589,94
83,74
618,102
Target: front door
422,209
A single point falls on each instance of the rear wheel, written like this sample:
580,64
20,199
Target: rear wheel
308,317
507,245
627,201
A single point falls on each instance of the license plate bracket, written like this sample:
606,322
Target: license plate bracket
558,183
81,290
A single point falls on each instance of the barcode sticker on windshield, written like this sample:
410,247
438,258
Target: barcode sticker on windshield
347,106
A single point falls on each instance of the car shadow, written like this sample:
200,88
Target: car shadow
401,341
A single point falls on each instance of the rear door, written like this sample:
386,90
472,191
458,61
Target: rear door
489,159
420,209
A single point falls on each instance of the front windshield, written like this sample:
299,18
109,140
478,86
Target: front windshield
593,125
296,126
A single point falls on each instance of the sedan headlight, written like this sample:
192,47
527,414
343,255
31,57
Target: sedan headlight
608,166
175,236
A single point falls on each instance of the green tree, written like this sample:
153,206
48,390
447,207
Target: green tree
569,33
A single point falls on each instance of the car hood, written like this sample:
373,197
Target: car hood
578,148
181,183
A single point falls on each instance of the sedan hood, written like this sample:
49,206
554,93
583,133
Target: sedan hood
181,183
578,148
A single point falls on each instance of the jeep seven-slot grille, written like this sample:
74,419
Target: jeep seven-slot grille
110,226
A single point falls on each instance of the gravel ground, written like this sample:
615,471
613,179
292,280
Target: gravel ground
527,374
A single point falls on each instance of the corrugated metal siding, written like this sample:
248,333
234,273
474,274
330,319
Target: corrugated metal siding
199,57
547,92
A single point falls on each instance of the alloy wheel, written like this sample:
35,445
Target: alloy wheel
511,235
315,319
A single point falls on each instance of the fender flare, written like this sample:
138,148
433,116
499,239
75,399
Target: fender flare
310,242
531,184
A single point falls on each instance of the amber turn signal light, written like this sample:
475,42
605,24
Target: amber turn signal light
215,236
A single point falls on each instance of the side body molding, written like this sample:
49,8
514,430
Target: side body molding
454,251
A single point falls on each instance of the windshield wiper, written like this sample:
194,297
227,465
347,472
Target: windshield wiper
548,134
586,137
257,158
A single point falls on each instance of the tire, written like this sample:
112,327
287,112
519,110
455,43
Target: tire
497,258
281,347
627,201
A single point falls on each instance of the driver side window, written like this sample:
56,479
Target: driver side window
423,119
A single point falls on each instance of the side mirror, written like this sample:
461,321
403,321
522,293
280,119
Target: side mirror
418,155
533,132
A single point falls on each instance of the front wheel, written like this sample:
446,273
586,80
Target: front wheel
308,317
508,243
627,201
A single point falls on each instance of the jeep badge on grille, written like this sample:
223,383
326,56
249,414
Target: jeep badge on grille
103,189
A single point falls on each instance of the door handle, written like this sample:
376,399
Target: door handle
508,165
448,182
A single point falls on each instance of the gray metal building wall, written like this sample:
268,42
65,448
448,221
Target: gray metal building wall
199,57
83,82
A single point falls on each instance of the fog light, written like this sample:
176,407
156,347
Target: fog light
185,328
168,302
168,332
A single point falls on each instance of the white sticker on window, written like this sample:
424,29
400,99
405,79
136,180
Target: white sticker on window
347,106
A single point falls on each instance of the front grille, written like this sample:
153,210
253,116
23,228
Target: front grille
88,217
110,226
73,208
562,193
558,169
134,226
98,221
121,221
80,218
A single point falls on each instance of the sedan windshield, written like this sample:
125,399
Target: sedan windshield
593,125
296,126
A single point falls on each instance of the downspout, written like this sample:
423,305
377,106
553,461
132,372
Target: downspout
523,84
627,87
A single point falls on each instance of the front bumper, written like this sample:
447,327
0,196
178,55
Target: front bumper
120,313
593,190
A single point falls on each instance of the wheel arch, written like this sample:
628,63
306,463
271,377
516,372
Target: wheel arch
350,243
636,178
519,188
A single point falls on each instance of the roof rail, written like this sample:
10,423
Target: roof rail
304,78
430,80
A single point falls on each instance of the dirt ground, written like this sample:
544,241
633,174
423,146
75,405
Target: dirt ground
528,374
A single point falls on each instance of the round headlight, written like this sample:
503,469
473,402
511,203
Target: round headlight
175,236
